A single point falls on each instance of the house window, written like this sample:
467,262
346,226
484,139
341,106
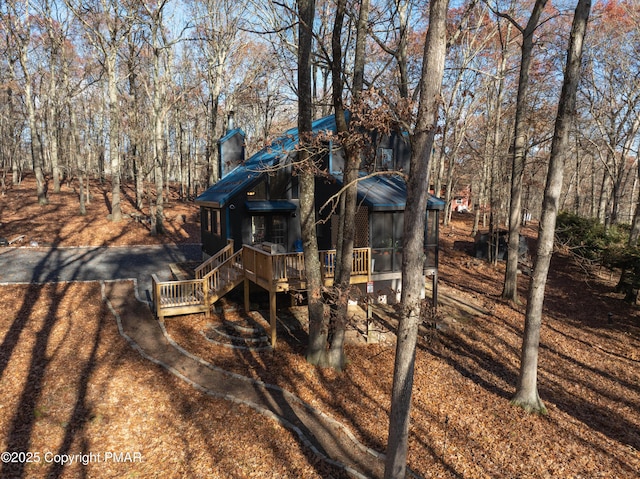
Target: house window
278,229
386,241
258,229
212,221
385,159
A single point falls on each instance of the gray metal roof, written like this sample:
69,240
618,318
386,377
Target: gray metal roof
389,192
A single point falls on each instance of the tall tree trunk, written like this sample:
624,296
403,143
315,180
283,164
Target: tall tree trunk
20,31
527,389
15,167
76,153
413,239
212,149
348,201
36,150
52,123
401,52
510,289
114,150
158,150
347,207
74,148
495,184
134,132
634,234
317,324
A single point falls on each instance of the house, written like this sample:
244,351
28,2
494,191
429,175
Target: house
461,202
256,202
251,230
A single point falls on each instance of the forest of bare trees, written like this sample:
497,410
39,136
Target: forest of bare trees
140,91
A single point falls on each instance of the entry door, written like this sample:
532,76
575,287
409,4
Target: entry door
270,228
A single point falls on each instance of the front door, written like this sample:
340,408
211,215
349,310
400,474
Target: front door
270,228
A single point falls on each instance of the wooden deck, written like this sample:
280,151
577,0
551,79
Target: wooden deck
224,271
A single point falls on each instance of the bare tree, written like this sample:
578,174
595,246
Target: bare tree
527,395
106,24
160,104
611,105
413,238
17,19
306,172
510,290
217,25
333,352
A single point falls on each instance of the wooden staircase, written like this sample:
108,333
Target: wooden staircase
225,270
213,279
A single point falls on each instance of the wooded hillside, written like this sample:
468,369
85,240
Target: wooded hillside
143,90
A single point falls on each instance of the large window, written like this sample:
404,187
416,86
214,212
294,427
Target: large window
386,241
431,240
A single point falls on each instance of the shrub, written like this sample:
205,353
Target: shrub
587,238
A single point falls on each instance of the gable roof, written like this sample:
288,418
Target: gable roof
381,192
231,133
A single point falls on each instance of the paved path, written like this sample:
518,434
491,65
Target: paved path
46,265
326,437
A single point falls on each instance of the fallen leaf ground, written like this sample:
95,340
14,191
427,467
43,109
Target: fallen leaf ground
71,384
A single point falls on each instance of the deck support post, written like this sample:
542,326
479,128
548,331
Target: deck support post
247,303
272,317
207,298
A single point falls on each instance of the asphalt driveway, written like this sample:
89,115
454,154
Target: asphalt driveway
46,265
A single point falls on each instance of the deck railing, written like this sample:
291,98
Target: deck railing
359,266
215,261
228,271
286,267
179,297
281,270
